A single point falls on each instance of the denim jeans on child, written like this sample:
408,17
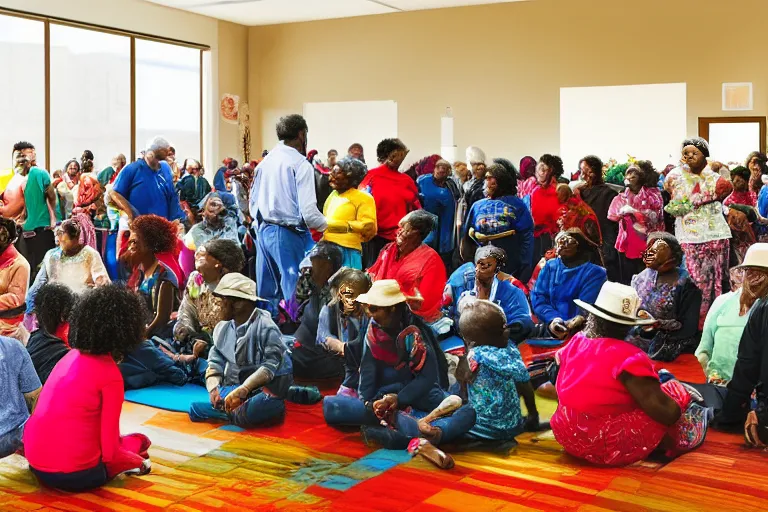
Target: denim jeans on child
259,409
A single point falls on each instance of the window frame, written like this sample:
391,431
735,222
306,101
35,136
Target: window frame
48,20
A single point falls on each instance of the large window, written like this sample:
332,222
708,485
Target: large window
168,96
67,87
22,86
90,95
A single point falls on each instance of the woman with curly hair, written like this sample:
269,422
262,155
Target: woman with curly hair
152,252
639,211
757,165
14,280
87,381
503,220
696,202
72,264
351,213
48,344
395,195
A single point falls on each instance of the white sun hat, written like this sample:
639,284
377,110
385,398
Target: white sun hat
383,293
757,256
617,303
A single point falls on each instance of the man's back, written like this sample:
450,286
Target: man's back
38,216
283,190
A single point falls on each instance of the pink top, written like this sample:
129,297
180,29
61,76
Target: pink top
588,380
748,198
12,206
647,216
76,423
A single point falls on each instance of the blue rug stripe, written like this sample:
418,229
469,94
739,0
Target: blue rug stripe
372,464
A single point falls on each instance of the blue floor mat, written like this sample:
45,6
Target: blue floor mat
168,396
544,342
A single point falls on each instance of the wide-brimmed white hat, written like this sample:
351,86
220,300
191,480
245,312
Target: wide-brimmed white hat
617,303
383,293
757,256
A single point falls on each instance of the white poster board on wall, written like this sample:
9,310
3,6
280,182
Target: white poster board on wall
338,125
645,121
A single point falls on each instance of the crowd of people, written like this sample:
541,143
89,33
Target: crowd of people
410,289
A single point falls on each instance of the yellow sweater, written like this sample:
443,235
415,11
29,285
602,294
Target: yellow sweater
351,218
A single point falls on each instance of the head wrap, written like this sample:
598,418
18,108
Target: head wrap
527,167
490,251
699,144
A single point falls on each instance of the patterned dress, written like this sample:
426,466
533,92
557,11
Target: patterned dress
703,232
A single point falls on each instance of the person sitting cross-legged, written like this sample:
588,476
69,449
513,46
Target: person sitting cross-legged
83,398
48,344
493,377
402,367
249,374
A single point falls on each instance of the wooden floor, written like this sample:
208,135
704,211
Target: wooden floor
305,465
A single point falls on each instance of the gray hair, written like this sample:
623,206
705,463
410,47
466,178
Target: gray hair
422,221
354,169
158,143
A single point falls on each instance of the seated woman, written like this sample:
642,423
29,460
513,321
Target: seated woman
414,265
311,360
484,280
88,381
671,297
156,277
727,318
72,263
402,367
612,410
343,323
351,213
14,280
503,220
48,345
638,211
249,373
573,274
494,375
156,274
200,310
217,223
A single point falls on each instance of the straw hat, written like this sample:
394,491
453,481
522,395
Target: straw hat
237,286
383,293
616,303
757,256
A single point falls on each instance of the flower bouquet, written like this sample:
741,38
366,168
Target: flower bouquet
679,207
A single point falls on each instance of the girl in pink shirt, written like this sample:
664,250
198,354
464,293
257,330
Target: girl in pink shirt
83,398
612,408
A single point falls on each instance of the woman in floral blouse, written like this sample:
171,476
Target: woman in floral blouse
638,210
696,203
200,310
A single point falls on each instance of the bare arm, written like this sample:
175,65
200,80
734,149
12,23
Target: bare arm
31,399
646,391
121,203
164,307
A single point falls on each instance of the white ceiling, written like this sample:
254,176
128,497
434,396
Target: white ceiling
272,12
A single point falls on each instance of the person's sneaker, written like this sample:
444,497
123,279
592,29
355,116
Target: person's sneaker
304,395
145,468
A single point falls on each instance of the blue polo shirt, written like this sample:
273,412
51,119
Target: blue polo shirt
149,191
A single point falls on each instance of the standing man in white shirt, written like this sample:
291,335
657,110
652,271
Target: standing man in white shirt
283,206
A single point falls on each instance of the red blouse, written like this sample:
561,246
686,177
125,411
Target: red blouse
545,209
395,195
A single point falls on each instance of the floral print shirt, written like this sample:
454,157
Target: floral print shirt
493,393
703,223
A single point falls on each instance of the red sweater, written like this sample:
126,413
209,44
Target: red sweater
395,195
545,209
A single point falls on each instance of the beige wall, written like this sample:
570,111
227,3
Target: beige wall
233,79
500,67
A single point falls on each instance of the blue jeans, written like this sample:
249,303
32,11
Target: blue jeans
342,410
279,254
78,481
258,410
